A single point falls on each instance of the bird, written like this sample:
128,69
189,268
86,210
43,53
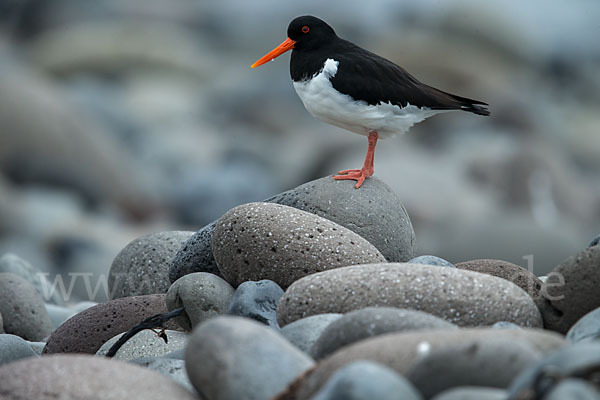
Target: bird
347,86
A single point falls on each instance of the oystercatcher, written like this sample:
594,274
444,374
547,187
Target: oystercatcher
350,87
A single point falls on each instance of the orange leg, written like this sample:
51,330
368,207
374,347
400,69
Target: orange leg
367,170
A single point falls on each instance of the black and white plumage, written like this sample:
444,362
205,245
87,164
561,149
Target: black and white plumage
350,87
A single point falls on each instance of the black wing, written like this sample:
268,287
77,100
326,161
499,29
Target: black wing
366,76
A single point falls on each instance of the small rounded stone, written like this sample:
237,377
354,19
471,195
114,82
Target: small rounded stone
269,241
87,331
362,380
431,260
173,368
586,328
231,358
464,298
202,295
572,290
145,344
573,389
12,263
372,321
22,308
142,267
258,301
487,362
13,348
76,376
305,332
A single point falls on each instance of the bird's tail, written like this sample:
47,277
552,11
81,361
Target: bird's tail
470,105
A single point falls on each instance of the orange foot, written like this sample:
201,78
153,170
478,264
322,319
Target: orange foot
358,175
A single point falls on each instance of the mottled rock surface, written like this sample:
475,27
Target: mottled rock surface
269,241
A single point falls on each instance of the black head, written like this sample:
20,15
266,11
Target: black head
310,33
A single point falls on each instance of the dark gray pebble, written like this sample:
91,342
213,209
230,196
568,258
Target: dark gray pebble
257,300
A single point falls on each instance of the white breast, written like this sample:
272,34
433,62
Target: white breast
329,105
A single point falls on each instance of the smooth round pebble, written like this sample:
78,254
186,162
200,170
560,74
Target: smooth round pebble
172,368
372,321
488,362
573,389
58,314
202,295
269,241
87,331
22,308
400,351
13,348
37,347
586,328
516,274
258,301
362,380
595,241
465,298
304,332
576,359
572,290
431,260
76,376
375,213
472,393
231,358
145,344
12,263
142,267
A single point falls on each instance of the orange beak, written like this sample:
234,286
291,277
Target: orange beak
288,44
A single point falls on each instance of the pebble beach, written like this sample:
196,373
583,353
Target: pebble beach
144,172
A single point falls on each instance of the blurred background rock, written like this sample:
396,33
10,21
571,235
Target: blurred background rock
123,117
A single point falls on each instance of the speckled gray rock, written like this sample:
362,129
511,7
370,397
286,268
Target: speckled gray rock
270,241
400,350
587,328
142,267
573,389
58,314
304,332
172,368
372,321
13,348
258,301
195,255
513,273
374,212
203,296
472,393
76,376
367,380
431,260
572,290
465,298
567,361
88,330
487,362
231,358
12,263
145,344
22,308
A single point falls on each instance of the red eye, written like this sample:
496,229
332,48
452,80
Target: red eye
305,29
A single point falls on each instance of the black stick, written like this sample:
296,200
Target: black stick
156,321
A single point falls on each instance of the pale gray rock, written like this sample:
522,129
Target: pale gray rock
14,348
586,328
472,393
304,332
258,301
202,295
145,344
